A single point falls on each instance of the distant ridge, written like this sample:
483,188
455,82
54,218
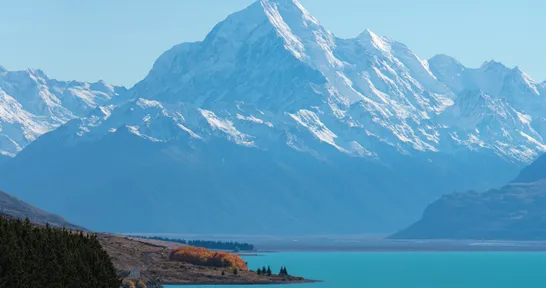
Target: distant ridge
513,212
11,206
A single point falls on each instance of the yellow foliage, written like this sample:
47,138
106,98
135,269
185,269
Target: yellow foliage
205,257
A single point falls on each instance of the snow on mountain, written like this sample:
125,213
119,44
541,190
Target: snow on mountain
272,101
31,104
274,61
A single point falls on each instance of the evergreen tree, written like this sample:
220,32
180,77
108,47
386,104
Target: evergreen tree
283,271
269,271
259,271
49,258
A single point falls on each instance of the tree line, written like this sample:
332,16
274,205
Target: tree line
217,245
267,271
35,256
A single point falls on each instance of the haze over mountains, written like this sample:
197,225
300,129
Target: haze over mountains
272,124
14,207
513,212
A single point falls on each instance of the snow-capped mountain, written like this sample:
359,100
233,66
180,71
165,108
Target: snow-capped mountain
31,104
271,103
275,63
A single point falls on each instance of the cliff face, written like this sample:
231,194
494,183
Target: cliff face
513,212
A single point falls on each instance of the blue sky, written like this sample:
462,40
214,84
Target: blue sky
118,41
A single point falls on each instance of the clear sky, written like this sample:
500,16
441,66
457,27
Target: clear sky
118,40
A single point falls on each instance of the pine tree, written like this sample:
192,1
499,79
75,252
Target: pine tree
269,271
259,271
283,271
44,257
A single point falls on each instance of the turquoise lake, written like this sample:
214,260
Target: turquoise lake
409,269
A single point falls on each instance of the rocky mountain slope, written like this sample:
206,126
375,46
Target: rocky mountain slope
32,104
272,124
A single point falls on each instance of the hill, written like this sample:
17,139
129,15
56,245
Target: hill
14,207
513,212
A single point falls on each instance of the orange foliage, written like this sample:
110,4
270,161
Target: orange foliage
205,257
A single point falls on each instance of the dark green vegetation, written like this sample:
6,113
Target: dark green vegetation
283,271
218,245
268,271
221,245
35,256
513,212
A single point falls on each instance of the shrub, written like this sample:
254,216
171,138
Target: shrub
204,257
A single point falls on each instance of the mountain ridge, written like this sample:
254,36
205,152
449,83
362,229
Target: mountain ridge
362,128
32,104
512,212
14,207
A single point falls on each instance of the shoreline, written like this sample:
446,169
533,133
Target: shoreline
403,250
245,283
403,246
154,264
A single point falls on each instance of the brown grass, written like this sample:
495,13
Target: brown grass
153,259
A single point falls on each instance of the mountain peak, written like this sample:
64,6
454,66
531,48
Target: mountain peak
3,69
368,37
301,33
285,5
281,2
287,17
443,58
493,65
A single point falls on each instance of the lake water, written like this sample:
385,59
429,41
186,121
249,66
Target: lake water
409,269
